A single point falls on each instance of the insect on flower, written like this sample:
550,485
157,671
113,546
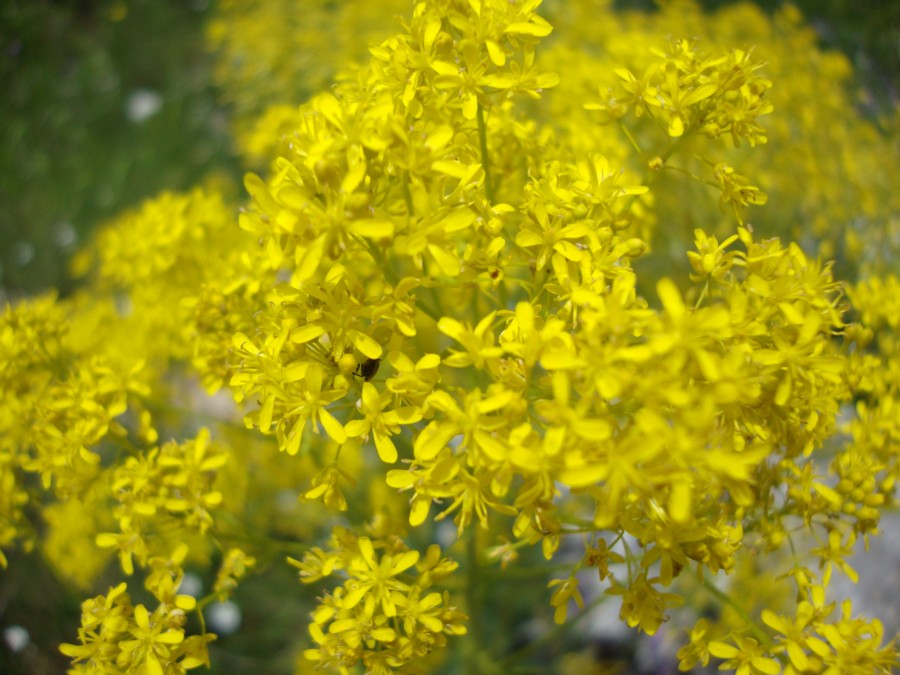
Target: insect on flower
367,369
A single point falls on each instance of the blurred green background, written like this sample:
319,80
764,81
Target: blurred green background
103,104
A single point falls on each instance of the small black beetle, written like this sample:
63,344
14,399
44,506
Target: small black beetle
368,368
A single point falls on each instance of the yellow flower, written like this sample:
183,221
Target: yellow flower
747,658
643,605
375,578
381,424
374,617
697,651
495,251
152,643
567,590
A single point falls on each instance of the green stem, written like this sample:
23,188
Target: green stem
650,177
472,592
690,174
379,258
702,295
407,197
630,138
231,530
532,572
761,636
552,636
437,306
201,605
485,160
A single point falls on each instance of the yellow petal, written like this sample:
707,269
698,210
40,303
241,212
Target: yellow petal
365,344
446,261
332,427
387,451
680,501
376,228
306,333
419,511
496,54
722,650
670,298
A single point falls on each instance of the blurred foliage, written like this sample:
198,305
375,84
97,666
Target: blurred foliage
254,70
869,33
72,157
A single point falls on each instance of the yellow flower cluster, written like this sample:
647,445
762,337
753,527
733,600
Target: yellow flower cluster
462,288
826,169
868,469
55,414
175,481
673,89
377,617
86,379
280,52
118,636
148,259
